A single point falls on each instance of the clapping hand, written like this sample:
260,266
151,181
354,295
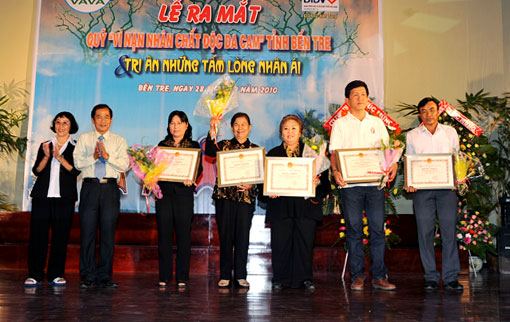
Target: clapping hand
46,149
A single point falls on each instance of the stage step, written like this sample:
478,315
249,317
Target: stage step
136,245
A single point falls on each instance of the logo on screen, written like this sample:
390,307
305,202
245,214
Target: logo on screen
320,5
87,6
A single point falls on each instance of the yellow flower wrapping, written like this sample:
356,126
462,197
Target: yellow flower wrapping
462,166
152,175
217,106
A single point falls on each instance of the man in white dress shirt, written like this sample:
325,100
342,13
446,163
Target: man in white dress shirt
102,157
432,137
358,129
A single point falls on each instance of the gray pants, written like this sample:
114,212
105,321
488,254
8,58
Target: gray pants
428,203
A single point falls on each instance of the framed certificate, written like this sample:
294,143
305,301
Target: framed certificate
429,171
183,164
291,177
243,166
360,165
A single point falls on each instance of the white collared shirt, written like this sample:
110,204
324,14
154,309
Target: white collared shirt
444,140
116,147
54,186
349,132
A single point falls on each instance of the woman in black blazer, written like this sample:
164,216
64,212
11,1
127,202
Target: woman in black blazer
175,209
53,201
293,219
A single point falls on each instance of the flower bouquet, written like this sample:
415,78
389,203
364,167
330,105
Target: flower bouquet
219,98
466,167
391,154
148,163
315,148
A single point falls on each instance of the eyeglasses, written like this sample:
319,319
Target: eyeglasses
62,123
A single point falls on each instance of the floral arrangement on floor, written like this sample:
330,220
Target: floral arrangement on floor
148,163
392,239
473,233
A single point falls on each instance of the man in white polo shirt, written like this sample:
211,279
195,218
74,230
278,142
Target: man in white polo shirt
433,137
358,129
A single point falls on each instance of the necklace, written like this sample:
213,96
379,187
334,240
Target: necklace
59,145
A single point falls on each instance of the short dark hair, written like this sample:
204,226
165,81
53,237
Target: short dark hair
238,115
294,118
184,119
425,100
99,107
74,126
354,84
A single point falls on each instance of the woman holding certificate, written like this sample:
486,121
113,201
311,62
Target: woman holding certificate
293,219
175,209
234,207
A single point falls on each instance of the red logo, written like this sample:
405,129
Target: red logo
332,1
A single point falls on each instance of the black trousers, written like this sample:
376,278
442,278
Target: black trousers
174,212
234,223
57,213
99,206
292,250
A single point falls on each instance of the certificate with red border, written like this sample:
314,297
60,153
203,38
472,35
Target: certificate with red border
290,177
429,171
183,164
243,166
360,165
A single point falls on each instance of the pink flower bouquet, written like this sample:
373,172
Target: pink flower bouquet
148,163
391,154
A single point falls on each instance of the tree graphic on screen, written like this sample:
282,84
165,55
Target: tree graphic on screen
106,18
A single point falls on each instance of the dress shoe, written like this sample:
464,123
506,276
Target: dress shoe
357,285
87,284
430,286
383,285
309,285
108,284
454,286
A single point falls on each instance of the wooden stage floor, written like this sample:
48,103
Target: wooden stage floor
485,298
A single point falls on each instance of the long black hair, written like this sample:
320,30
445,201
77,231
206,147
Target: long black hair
184,119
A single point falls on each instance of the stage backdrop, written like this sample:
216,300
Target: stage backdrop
147,58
